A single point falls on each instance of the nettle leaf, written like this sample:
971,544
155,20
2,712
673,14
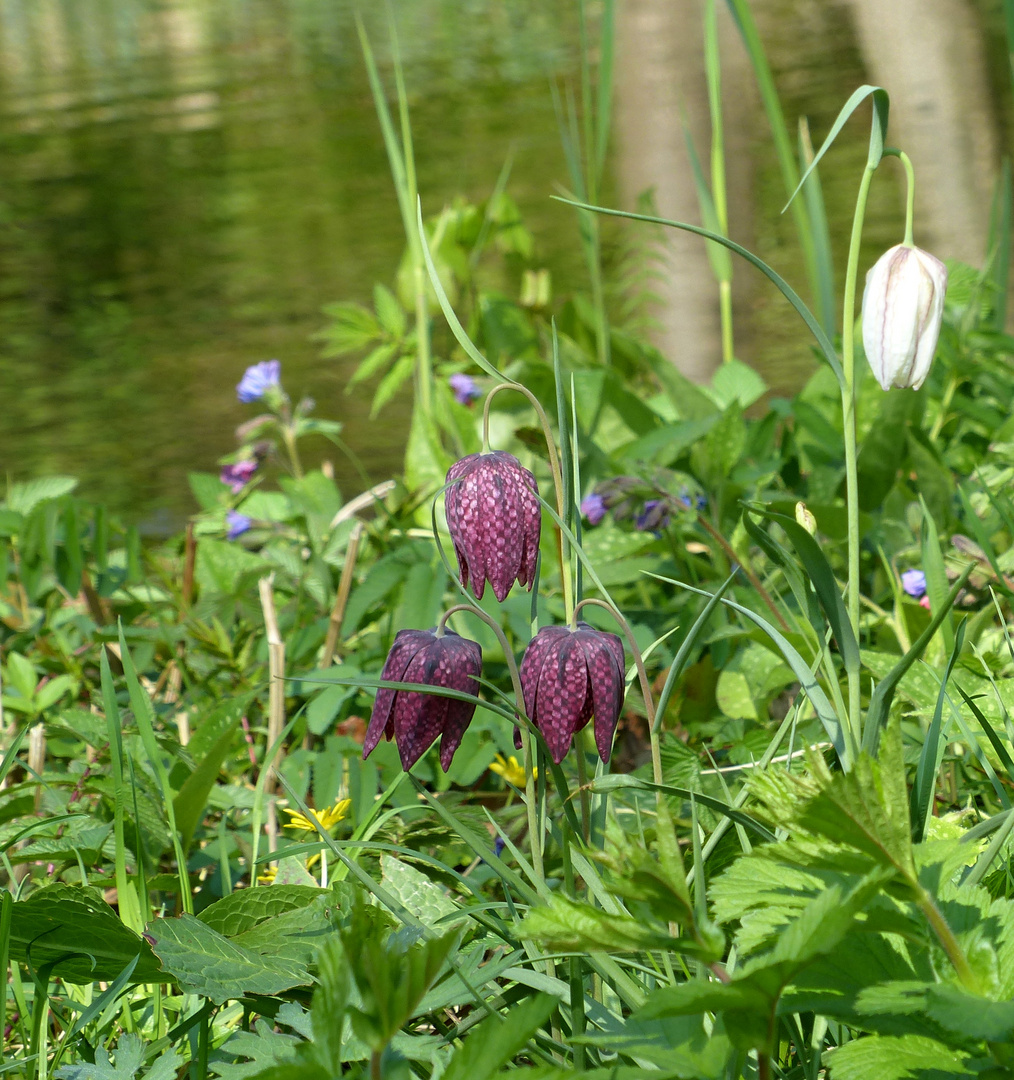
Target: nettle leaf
493,1044
679,1045
867,808
902,1058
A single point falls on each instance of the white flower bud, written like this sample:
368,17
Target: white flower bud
902,307
804,517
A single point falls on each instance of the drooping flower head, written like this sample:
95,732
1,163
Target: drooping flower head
914,583
412,718
236,524
465,390
654,516
903,305
593,508
258,379
237,475
568,676
494,517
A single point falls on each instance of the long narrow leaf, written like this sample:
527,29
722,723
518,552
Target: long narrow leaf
790,294
932,751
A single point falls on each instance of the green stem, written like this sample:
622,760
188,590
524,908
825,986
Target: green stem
725,312
945,935
534,837
910,198
848,408
289,438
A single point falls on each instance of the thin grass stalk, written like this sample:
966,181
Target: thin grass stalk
848,408
713,75
341,600
175,680
37,758
6,914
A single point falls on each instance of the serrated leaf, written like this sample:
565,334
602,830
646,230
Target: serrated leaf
904,1058
352,327
25,495
129,1058
374,362
401,371
390,313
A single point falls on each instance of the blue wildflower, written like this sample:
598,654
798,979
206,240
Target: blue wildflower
465,390
914,583
258,379
237,524
654,516
593,508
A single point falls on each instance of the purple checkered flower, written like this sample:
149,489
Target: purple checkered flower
238,474
414,719
494,517
914,583
593,508
465,390
258,379
236,524
567,676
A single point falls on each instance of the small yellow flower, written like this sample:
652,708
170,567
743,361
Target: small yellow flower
268,877
510,770
328,817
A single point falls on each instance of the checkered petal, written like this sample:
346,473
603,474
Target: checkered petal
495,518
604,658
406,644
416,719
533,660
557,698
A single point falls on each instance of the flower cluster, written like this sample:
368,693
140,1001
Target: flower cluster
569,675
651,506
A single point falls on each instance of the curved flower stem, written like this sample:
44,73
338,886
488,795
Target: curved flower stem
848,409
534,838
906,161
642,675
554,466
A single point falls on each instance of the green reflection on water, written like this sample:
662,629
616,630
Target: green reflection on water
184,185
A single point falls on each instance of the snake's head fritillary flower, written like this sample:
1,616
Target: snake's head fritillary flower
237,475
494,518
568,676
465,390
258,379
593,508
236,524
914,583
414,718
903,305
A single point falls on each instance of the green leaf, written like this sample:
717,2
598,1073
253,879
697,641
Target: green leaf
352,327
866,808
192,797
130,1054
204,962
424,899
75,929
24,496
374,362
494,1043
390,313
243,910
902,1058
736,382
223,567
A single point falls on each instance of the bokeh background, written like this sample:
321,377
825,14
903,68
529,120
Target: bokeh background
185,183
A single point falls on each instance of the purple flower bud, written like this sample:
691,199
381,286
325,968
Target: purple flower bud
237,475
465,390
495,518
654,516
237,524
593,508
258,379
914,583
567,676
414,719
